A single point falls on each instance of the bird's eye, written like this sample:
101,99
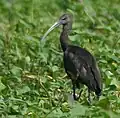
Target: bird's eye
63,18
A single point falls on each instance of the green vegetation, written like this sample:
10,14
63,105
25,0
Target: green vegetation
32,78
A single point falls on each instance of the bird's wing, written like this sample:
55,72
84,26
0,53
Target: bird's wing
79,64
96,73
89,71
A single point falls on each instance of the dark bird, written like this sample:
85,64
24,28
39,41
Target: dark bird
79,64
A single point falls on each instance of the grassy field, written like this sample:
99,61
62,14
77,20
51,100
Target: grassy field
33,83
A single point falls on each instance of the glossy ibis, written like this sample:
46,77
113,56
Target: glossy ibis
79,64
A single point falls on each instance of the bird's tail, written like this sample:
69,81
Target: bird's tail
98,92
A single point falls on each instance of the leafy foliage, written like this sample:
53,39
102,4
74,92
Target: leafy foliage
32,79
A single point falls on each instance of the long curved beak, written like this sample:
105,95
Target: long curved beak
56,24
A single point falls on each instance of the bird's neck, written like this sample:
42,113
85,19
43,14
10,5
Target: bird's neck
64,37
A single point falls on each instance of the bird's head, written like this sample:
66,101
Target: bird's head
65,20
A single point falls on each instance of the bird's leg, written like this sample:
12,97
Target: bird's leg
74,96
89,98
73,83
98,97
74,79
76,83
80,93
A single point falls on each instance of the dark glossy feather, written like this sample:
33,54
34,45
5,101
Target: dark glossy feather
79,62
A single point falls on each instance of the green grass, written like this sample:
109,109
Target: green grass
32,78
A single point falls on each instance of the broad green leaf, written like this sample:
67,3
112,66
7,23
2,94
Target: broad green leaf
2,86
23,90
54,68
27,59
78,110
115,82
16,71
